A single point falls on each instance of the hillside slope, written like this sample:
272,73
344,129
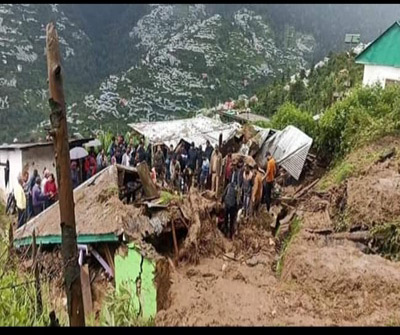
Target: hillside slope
23,87
168,60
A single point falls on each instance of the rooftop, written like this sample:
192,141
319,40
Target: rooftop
197,130
385,50
27,145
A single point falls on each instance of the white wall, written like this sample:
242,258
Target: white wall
14,157
377,73
39,157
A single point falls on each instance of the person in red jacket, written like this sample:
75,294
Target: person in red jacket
92,164
50,189
86,168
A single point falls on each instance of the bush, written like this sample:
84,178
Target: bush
367,114
118,309
288,114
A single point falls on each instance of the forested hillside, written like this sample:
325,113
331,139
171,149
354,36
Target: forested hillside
125,62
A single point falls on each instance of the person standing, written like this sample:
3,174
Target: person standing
148,157
118,155
257,190
205,170
126,157
20,200
191,165
38,198
50,190
46,174
159,164
31,183
215,169
92,164
269,179
113,146
74,174
247,187
208,150
176,173
230,200
199,163
168,161
227,164
140,153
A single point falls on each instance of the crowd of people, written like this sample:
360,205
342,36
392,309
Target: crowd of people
33,194
239,186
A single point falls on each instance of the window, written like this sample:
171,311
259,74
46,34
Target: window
389,82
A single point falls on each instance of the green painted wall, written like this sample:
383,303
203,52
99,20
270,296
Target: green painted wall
385,50
127,269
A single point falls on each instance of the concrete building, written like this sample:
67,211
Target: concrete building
381,58
27,156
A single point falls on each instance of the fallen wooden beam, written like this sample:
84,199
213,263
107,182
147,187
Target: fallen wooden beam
86,291
304,190
150,189
320,231
175,243
359,236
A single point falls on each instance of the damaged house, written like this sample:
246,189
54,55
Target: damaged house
197,130
132,243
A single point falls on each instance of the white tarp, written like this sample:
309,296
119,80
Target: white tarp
197,130
289,147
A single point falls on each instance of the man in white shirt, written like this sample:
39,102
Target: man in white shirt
45,179
126,157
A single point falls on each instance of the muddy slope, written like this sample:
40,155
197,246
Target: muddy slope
324,280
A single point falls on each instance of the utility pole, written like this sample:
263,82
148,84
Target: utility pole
59,132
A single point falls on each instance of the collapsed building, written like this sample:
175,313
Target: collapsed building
137,234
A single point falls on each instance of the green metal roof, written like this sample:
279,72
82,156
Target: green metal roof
385,50
56,239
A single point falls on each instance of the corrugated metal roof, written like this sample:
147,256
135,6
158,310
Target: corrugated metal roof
35,144
385,50
197,130
289,147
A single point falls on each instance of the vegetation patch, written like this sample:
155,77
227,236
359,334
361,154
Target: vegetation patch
387,239
117,310
167,197
295,227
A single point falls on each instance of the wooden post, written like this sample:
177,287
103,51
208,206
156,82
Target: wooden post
36,272
59,132
10,241
175,243
86,290
149,187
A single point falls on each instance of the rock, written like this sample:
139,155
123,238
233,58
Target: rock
271,241
224,266
230,255
239,276
209,275
252,261
191,273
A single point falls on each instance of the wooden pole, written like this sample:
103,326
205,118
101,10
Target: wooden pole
175,244
10,241
59,132
36,272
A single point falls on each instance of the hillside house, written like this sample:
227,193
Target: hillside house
381,58
27,156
